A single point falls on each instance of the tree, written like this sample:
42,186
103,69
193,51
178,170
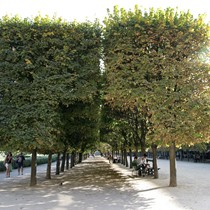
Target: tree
44,64
152,63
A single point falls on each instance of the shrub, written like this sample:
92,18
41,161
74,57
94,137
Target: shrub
27,162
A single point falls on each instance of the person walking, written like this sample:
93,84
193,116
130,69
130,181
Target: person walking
110,158
20,160
8,163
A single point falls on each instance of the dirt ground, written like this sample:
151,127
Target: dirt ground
96,184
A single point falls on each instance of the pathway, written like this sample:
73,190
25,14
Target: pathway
97,185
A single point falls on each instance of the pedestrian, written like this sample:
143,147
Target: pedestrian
110,158
144,163
8,163
135,163
20,159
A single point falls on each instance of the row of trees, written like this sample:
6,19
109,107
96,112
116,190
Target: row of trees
49,85
157,79
152,90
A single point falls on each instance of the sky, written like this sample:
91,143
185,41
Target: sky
83,10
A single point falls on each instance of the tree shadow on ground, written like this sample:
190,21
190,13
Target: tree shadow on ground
89,185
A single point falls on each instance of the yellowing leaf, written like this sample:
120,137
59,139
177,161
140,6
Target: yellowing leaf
27,61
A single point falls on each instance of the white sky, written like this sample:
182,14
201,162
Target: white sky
82,10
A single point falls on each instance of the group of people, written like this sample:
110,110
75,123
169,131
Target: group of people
142,162
8,163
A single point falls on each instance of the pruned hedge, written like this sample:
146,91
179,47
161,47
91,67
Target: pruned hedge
27,162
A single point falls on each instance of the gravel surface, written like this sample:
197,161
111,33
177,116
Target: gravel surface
96,184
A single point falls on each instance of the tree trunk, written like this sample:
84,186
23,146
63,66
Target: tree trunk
125,157
63,161
130,151
122,156
48,173
76,158
143,136
80,157
172,154
112,158
33,181
154,152
58,164
72,159
67,161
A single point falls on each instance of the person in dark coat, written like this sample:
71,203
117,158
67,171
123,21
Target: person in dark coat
20,160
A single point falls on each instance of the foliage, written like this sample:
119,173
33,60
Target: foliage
152,64
81,125
156,73
44,64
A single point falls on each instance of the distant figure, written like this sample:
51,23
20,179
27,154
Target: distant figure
197,158
136,163
110,158
8,164
144,162
20,159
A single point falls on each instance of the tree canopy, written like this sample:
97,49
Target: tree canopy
154,67
44,64
153,64
153,89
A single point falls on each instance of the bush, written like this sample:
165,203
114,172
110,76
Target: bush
27,162
2,167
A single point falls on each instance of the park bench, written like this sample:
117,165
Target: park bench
116,159
140,170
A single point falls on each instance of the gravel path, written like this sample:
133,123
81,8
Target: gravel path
96,184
